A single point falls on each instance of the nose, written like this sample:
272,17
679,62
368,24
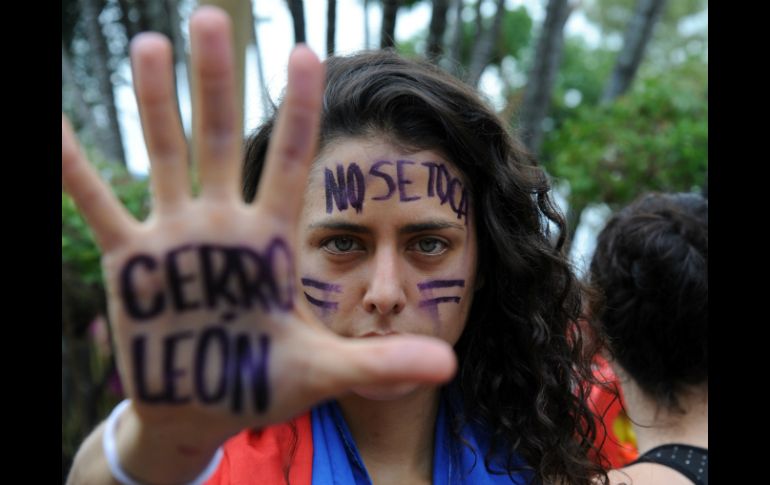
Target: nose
385,293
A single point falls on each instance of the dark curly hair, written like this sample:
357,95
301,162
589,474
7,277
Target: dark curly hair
650,270
522,366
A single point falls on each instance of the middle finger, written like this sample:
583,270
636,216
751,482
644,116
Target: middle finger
217,126
151,61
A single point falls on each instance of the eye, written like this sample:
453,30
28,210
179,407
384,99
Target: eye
430,245
341,245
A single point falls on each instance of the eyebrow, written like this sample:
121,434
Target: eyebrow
429,226
407,229
341,226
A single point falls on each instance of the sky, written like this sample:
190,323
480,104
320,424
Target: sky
276,38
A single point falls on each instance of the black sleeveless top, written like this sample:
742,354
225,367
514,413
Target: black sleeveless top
690,461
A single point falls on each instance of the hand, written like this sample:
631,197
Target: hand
202,294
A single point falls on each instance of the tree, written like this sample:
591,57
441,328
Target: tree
580,81
175,32
72,97
297,10
437,29
129,18
264,95
456,38
653,138
86,367
99,58
388,28
680,31
366,24
542,75
637,36
331,24
676,65
482,51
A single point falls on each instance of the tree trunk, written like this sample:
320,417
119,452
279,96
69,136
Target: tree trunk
542,75
298,18
175,31
456,42
331,24
177,41
131,26
573,216
437,29
99,59
83,116
145,20
367,45
388,30
264,93
482,51
637,36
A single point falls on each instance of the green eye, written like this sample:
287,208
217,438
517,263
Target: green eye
340,244
431,245
343,244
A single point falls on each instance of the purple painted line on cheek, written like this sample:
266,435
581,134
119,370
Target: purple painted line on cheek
440,299
328,305
425,285
321,285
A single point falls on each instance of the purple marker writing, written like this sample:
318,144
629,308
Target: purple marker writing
426,285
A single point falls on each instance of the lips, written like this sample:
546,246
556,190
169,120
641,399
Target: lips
378,334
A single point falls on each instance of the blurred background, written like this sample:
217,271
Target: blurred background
611,95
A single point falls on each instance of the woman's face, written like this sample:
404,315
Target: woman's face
387,243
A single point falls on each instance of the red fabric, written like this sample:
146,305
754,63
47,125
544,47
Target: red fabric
620,450
265,456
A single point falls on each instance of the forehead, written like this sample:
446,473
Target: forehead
356,177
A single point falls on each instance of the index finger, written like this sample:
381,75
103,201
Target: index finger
295,137
110,221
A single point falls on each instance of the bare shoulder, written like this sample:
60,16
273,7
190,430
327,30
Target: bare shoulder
646,474
620,477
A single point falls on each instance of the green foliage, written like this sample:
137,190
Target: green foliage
653,138
612,16
86,368
670,44
584,70
515,36
413,47
79,251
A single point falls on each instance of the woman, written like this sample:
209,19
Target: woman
390,207
650,270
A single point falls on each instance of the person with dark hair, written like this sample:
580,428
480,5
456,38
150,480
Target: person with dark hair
387,306
650,276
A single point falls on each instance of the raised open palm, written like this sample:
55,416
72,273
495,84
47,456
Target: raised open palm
202,294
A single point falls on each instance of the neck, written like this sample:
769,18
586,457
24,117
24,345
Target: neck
656,425
395,438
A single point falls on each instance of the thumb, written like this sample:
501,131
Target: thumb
385,361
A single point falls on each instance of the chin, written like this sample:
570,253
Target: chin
385,392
